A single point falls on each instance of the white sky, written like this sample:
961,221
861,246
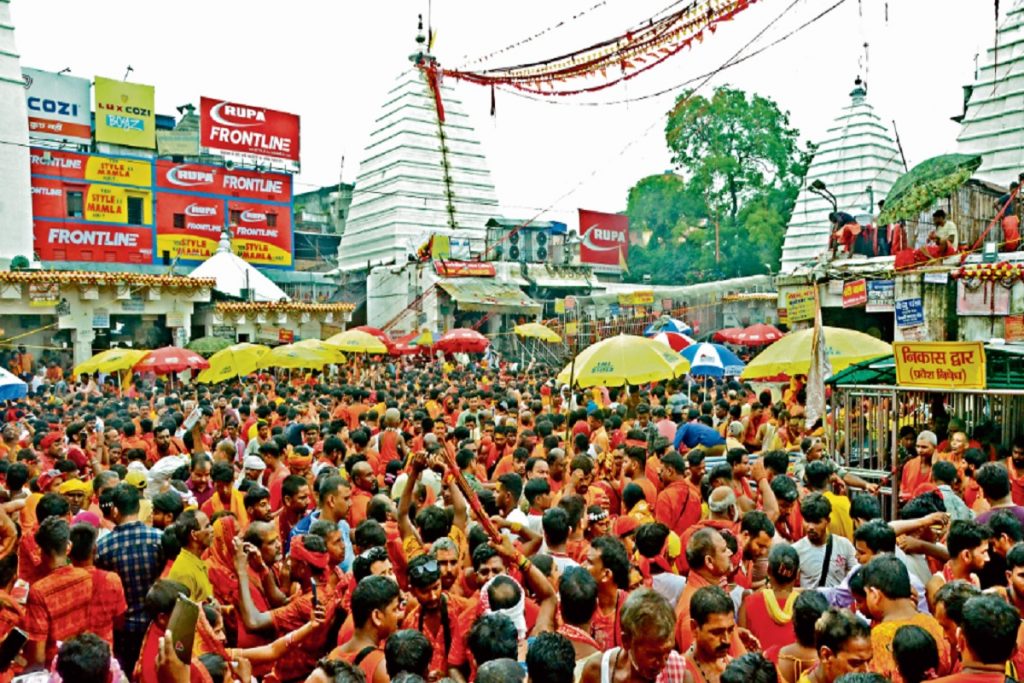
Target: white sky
332,62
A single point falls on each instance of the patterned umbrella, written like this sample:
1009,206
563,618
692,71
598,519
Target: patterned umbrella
667,324
712,360
378,333
677,341
171,359
463,340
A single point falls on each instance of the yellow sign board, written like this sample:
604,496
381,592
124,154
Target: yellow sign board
942,365
124,113
571,329
121,171
560,306
641,297
106,203
800,305
440,248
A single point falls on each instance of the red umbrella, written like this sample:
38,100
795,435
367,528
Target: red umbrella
462,340
404,346
727,335
759,335
379,334
171,359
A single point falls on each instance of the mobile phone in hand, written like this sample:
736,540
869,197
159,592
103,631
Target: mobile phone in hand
182,626
11,647
315,597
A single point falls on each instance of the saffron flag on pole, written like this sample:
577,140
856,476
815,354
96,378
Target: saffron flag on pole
819,371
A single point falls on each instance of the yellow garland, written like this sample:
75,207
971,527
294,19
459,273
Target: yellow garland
783,615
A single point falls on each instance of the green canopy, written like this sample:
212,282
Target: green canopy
207,346
1004,369
932,179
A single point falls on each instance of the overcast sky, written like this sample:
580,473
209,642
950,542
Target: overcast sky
332,63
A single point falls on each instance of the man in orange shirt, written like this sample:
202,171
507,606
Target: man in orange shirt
710,562
918,470
361,476
678,505
225,495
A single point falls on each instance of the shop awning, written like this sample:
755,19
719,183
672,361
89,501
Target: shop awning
488,295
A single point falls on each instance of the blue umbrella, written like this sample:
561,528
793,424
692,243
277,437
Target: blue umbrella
667,324
712,360
11,388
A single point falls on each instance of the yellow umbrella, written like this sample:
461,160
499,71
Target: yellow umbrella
357,341
791,355
309,353
537,331
111,360
234,361
624,359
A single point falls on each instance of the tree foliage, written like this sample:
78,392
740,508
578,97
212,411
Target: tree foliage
738,169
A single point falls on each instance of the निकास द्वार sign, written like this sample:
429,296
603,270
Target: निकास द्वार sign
943,365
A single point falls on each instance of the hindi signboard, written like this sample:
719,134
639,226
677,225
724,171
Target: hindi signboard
881,296
1013,328
909,312
800,305
855,293
940,365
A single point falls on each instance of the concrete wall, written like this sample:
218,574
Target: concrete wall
15,184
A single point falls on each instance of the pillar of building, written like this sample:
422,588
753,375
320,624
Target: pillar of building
15,182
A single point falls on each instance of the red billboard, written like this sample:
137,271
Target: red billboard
605,239
262,233
201,178
188,226
95,243
249,132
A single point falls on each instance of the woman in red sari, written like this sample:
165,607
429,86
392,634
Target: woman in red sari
768,613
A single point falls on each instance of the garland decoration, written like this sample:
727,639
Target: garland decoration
976,274
613,60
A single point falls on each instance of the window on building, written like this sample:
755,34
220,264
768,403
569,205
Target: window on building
235,216
271,220
179,221
74,204
135,211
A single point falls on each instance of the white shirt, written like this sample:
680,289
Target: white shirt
843,560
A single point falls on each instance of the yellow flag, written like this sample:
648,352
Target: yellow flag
622,262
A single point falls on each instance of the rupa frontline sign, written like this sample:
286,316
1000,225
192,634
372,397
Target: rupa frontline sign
605,240
249,133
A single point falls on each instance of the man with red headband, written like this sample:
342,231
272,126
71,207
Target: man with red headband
309,559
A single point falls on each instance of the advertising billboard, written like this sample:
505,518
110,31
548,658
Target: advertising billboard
58,106
249,133
605,240
66,241
204,179
124,113
92,208
262,233
195,202
189,226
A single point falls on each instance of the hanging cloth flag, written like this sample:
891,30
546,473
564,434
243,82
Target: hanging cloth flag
819,371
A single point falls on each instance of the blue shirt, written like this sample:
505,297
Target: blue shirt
134,552
695,434
302,527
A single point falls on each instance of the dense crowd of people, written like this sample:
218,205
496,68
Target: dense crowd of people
425,520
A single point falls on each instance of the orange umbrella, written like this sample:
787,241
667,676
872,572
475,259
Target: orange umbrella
463,340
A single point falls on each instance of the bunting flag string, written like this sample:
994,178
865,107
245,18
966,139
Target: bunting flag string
614,60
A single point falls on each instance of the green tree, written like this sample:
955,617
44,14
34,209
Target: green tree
739,168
